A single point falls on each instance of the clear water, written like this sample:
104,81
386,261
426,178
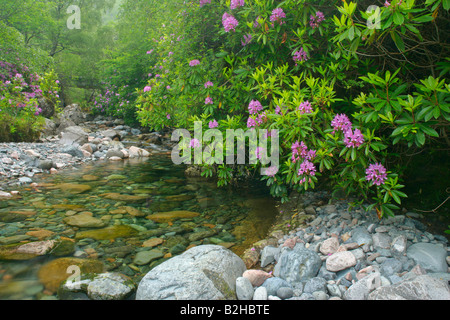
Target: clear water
233,217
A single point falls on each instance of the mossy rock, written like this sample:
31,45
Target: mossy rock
52,274
113,232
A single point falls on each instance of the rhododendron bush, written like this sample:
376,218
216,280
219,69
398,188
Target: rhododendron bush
345,85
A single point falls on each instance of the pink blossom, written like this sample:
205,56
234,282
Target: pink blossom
236,4
194,143
147,88
305,107
353,139
203,2
208,100
376,173
229,22
300,55
254,107
213,124
194,62
278,15
208,84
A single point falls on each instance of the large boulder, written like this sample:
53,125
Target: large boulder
429,256
422,287
74,135
206,272
69,117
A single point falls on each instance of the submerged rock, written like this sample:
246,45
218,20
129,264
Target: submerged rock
172,215
113,232
52,274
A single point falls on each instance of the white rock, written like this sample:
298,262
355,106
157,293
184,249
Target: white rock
329,246
32,153
136,152
340,261
260,293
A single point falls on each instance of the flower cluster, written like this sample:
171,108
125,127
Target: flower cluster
229,22
376,173
194,143
353,139
194,63
203,2
300,56
147,89
277,16
208,100
314,21
307,168
236,4
341,122
254,107
305,107
300,151
208,84
213,124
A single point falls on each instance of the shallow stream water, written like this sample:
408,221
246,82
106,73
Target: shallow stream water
125,200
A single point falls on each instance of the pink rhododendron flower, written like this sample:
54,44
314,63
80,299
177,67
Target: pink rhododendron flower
194,62
300,55
251,122
208,84
314,21
308,168
254,107
236,4
277,15
208,100
229,22
376,173
194,143
147,88
353,139
341,122
305,107
213,124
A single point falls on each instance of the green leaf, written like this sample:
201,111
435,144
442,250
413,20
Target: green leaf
398,41
398,18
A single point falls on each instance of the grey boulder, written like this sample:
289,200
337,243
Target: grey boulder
205,272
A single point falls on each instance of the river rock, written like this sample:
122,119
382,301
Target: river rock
256,277
83,220
422,287
206,272
74,135
298,264
162,217
113,232
135,152
340,261
55,272
103,286
244,289
145,257
430,256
